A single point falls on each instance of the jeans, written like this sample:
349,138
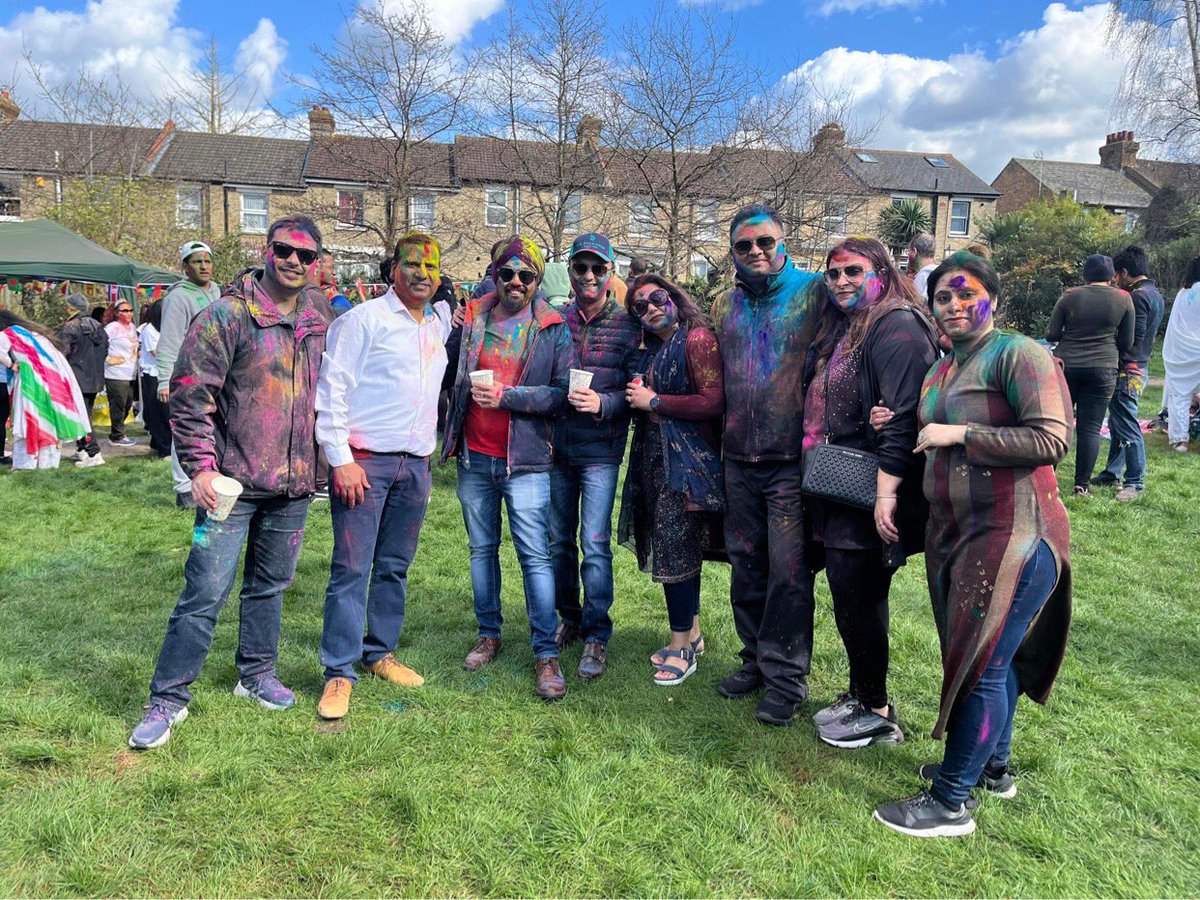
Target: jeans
980,729
683,603
156,415
373,546
1126,450
583,495
1091,389
120,402
272,529
859,584
771,587
482,486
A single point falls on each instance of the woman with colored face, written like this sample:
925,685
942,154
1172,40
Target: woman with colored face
120,369
995,419
871,340
674,488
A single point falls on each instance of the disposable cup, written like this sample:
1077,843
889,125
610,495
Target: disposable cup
482,378
227,491
638,378
580,379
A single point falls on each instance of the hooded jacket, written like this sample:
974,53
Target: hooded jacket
86,348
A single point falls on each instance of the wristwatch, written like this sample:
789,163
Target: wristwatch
654,403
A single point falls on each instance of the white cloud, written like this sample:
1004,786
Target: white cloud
454,19
260,55
1047,90
830,7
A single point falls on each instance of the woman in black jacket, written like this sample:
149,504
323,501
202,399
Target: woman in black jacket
871,340
86,346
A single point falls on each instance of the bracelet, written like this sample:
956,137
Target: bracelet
886,497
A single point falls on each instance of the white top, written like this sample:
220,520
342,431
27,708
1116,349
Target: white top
147,350
380,379
1181,348
122,341
921,279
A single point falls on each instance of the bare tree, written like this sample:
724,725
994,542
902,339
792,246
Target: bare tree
217,98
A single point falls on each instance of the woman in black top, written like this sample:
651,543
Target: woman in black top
871,340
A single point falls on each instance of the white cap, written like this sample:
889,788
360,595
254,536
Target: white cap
193,247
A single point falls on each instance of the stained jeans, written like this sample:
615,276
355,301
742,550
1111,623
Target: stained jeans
373,546
1091,389
583,496
272,529
482,486
980,728
1127,449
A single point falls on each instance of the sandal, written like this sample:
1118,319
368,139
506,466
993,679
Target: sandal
658,657
677,672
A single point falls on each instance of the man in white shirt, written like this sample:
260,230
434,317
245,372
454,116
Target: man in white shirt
377,400
921,250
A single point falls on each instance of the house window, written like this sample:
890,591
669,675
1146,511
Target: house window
937,162
351,209
706,220
960,217
254,212
10,207
1131,220
641,217
188,212
573,212
495,203
833,217
422,211
699,266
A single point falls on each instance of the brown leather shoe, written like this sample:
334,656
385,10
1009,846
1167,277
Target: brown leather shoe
567,634
594,660
482,653
550,682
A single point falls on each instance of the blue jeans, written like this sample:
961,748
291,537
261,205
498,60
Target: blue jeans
482,485
1126,447
980,728
272,529
373,546
583,494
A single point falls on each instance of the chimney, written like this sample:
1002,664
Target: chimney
159,145
830,136
588,132
1119,151
320,121
9,111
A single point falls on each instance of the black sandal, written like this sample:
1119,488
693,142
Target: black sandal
679,673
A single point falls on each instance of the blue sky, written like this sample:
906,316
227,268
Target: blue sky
984,79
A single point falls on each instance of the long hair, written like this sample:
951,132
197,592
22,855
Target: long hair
690,314
110,314
828,317
9,318
1193,273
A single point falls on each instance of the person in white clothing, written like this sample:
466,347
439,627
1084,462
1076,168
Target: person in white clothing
120,369
921,250
1181,354
377,400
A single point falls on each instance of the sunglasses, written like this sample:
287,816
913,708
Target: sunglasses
581,268
851,272
284,252
506,275
765,243
659,299
125,310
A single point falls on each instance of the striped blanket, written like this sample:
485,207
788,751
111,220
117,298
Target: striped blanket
47,405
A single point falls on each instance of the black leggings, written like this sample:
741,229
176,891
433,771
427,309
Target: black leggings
683,603
859,584
1091,388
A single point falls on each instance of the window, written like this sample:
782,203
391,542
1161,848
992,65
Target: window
833,217
641,217
188,213
960,217
495,206
699,266
573,212
707,212
254,212
422,211
937,162
351,209
865,157
1131,220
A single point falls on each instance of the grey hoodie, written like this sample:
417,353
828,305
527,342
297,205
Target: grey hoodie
180,306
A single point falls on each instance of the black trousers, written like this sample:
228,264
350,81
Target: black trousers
859,584
771,587
120,402
1091,388
88,442
5,409
155,415
683,603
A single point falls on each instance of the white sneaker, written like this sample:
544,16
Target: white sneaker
90,462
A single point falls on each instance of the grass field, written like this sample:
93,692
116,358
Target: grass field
471,786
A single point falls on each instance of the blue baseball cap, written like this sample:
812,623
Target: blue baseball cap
593,242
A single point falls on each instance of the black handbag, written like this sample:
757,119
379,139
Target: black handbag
841,475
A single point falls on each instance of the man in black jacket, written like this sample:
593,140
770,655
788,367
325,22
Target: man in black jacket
86,347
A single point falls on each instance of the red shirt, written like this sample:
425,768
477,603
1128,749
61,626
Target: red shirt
503,351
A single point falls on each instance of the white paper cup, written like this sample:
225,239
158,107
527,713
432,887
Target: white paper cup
227,491
482,378
580,379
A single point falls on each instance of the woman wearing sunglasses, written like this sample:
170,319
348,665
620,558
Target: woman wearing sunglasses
120,369
871,340
674,488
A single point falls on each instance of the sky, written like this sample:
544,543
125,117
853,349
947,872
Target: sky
985,80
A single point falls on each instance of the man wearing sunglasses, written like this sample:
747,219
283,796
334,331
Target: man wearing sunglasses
589,444
501,428
758,326
242,406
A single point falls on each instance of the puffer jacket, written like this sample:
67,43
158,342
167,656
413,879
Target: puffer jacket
87,346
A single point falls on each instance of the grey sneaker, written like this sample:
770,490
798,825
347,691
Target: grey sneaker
835,710
155,728
1002,785
924,815
1129,493
860,727
268,691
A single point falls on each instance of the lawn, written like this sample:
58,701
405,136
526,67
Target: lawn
471,786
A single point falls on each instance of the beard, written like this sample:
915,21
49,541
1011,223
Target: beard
514,303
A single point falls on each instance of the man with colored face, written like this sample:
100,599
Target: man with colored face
589,444
513,353
758,326
243,418
182,304
377,401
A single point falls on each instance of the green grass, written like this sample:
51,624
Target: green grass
471,786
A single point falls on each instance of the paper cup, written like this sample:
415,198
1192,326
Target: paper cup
482,378
228,491
580,379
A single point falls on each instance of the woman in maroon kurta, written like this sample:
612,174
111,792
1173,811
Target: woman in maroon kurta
996,418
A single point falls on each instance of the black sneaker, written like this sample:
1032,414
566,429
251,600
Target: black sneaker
924,815
861,727
1102,481
775,709
1002,784
741,683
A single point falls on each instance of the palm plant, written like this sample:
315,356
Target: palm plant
900,222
